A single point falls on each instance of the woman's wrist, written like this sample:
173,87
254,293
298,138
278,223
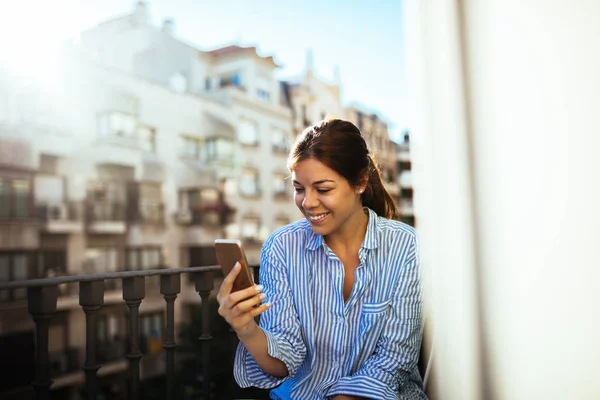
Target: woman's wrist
247,332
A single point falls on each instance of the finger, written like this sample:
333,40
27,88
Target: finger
230,278
245,294
259,310
244,306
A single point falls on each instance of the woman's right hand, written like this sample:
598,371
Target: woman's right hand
240,308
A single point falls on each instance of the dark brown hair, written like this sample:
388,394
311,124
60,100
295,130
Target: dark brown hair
340,146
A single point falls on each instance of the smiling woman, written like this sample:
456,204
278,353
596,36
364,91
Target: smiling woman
342,318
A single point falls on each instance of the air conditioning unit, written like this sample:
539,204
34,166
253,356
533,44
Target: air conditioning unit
183,216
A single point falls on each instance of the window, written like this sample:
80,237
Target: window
219,149
106,328
205,205
106,201
150,203
233,79
127,129
144,258
249,183
101,260
151,332
251,229
15,198
15,267
189,147
263,94
52,263
263,85
280,141
248,133
280,186
146,138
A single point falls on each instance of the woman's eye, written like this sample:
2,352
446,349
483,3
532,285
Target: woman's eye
298,190
323,190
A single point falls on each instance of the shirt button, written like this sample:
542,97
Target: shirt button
341,320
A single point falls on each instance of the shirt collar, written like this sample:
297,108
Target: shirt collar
371,240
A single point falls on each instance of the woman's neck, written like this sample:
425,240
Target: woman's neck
351,235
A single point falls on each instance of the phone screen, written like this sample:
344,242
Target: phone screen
229,252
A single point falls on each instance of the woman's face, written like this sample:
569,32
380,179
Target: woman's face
326,199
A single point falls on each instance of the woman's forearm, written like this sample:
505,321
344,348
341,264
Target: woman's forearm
255,342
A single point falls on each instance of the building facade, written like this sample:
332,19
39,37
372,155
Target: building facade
142,153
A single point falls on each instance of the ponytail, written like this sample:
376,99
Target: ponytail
376,196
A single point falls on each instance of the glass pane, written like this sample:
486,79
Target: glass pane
4,198
146,262
22,198
20,272
247,132
103,125
132,259
156,325
113,260
101,329
122,125
146,138
4,275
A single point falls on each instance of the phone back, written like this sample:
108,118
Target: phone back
229,252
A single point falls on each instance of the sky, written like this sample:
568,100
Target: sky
363,37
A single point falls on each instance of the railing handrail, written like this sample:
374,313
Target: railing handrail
57,280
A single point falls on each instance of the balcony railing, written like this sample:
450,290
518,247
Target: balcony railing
105,211
151,213
42,295
66,211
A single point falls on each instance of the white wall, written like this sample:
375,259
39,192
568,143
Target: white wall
506,129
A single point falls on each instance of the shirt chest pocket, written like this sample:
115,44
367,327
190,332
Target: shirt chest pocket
373,316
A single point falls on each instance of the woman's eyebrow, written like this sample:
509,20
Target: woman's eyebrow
295,182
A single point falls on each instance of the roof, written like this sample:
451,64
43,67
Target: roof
235,49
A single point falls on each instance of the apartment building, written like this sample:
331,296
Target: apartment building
143,151
405,204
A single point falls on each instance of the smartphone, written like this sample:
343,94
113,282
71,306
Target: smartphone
229,252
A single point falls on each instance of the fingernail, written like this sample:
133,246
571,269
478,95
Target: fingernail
236,266
267,305
258,288
262,296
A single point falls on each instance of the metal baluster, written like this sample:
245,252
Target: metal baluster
170,286
91,299
133,294
204,283
41,302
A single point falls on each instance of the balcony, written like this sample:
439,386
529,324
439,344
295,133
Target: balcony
149,214
105,217
63,218
42,296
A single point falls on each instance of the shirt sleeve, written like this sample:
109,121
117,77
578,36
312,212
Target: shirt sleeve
280,323
391,371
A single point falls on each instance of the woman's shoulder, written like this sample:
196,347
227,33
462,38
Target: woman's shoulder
294,232
392,225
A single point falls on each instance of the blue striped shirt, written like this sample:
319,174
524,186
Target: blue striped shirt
366,346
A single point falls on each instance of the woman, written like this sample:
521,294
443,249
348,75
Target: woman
343,313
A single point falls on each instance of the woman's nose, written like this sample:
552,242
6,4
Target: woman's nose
310,199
